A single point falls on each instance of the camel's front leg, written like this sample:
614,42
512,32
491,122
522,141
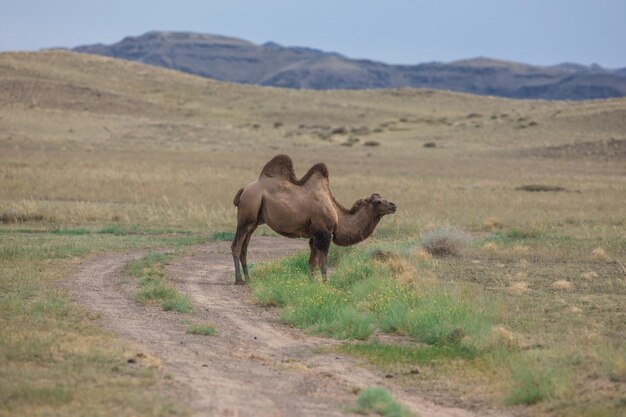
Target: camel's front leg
323,262
321,243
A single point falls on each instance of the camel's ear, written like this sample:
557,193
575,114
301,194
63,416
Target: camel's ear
374,196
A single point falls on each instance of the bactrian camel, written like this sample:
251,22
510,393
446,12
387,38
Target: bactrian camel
302,208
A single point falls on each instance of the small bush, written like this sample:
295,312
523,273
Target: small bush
351,141
180,303
152,289
201,329
530,384
379,401
518,288
562,284
430,145
371,143
540,188
600,254
444,241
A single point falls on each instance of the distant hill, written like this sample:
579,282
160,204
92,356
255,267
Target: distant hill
270,64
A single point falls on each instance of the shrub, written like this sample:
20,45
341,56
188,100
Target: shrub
379,401
540,188
351,141
201,329
444,241
530,384
179,302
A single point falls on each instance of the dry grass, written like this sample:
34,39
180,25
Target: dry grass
518,288
562,284
504,336
91,142
589,275
600,255
490,224
490,247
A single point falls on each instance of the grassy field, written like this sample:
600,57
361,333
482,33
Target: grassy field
54,359
534,344
100,155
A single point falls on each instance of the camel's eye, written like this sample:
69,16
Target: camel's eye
378,202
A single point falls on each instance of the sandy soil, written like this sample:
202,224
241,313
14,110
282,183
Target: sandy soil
256,365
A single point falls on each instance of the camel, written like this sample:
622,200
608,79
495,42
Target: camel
303,208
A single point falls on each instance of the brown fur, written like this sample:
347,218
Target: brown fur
302,208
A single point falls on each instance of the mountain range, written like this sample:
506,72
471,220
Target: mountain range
270,64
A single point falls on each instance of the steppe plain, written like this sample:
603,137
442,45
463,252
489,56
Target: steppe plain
100,156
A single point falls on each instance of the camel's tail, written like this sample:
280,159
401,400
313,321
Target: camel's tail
237,199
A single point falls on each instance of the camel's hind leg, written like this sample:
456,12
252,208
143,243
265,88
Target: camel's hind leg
237,246
243,257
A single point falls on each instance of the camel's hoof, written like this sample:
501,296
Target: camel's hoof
240,282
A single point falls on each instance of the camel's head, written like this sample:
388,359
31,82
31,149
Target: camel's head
379,206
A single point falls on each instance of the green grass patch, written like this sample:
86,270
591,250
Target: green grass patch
516,234
223,236
389,354
363,295
379,401
70,231
114,230
530,384
201,329
153,285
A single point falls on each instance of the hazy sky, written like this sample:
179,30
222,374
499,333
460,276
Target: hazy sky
541,32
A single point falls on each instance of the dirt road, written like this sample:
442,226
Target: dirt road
255,366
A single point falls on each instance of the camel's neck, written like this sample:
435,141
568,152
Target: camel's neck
354,227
